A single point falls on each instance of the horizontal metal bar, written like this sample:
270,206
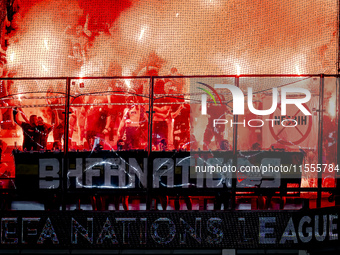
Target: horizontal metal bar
171,76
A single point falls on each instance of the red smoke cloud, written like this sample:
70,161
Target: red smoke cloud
103,11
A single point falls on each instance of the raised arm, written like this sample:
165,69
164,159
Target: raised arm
23,115
67,29
122,123
110,107
48,128
163,109
86,27
16,117
175,114
107,125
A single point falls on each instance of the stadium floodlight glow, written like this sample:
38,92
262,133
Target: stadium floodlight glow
81,75
141,34
128,83
297,70
238,70
11,57
46,45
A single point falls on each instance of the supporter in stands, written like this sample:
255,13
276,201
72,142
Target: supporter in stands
29,128
118,97
44,130
78,116
120,145
224,145
97,122
79,41
177,114
214,112
256,147
161,117
167,110
133,125
118,94
182,128
56,146
58,116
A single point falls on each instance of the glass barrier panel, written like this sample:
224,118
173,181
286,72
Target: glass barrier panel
32,131
277,136
330,168
170,127
109,114
108,134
